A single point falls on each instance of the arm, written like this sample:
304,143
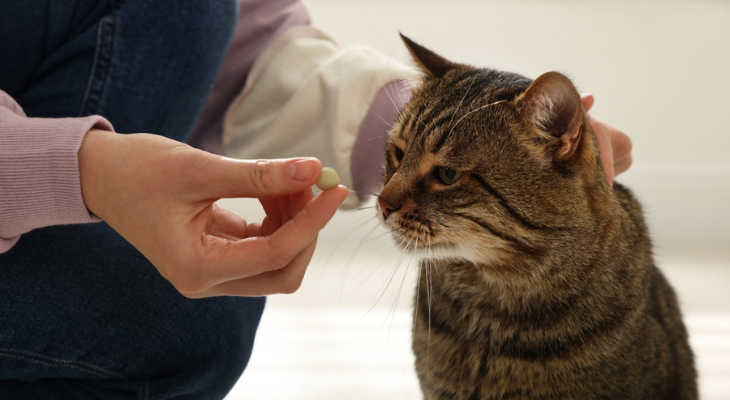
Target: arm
160,195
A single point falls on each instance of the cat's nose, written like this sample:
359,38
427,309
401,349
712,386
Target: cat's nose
386,207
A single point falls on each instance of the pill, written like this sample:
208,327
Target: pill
328,179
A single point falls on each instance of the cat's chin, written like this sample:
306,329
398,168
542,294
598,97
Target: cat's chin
423,246
450,252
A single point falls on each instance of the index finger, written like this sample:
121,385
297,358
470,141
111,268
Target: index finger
230,178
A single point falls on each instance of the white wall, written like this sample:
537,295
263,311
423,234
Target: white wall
660,71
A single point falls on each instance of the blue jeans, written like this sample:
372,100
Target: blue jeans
82,313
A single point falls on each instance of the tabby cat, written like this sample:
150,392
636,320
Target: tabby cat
537,279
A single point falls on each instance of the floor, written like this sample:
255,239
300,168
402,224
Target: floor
658,70
346,333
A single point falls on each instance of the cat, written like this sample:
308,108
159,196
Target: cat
537,279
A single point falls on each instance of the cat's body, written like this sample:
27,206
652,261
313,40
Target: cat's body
607,329
538,280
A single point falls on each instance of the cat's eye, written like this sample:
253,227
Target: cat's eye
448,176
399,154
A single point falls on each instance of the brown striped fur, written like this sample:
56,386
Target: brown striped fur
537,279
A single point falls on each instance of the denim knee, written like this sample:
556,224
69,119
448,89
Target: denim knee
203,360
156,62
211,356
205,26
89,317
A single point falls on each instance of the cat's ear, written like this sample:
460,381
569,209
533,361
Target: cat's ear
552,104
431,63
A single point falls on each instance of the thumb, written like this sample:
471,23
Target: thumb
264,178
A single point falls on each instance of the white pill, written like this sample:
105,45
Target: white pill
328,179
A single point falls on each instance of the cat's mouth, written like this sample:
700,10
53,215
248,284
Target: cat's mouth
424,244
428,240
409,233
417,235
407,238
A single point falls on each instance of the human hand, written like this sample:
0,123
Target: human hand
614,145
160,195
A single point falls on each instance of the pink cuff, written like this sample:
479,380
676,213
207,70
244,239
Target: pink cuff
39,171
368,154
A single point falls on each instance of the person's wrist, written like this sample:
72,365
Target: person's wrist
94,154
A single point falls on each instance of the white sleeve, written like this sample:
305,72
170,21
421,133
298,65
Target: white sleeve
306,97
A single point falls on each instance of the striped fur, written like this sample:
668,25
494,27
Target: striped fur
537,279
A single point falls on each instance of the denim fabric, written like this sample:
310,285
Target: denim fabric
82,313
145,65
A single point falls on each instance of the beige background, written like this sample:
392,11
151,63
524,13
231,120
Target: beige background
660,70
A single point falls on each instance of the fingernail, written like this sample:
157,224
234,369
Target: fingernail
302,170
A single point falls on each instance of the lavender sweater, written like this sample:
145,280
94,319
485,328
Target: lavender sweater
39,174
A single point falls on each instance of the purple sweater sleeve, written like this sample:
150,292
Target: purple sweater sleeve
39,171
367,161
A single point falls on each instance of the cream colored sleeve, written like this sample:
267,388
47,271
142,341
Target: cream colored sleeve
307,97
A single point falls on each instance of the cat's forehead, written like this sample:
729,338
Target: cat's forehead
471,83
457,114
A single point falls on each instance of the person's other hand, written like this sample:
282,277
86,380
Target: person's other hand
614,145
160,195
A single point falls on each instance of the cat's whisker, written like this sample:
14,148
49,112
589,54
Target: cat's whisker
458,106
429,290
375,269
390,124
390,97
473,111
393,307
350,261
359,191
383,288
415,115
397,109
337,243
418,281
384,234
429,295
389,246
330,251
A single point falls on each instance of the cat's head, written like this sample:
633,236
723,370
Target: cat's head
485,165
